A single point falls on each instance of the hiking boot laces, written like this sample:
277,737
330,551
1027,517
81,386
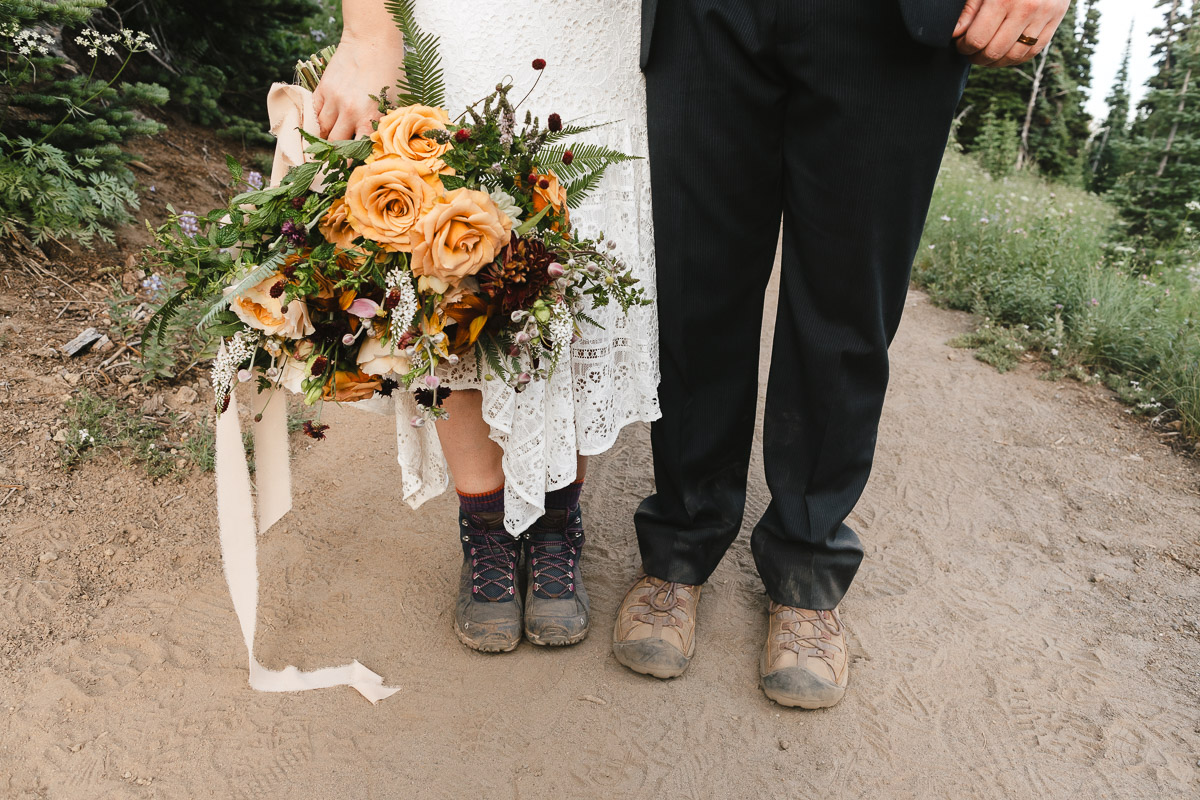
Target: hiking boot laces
493,557
658,605
818,643
553,562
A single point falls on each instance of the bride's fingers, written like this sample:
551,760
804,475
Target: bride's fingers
326,118
365,127
342,129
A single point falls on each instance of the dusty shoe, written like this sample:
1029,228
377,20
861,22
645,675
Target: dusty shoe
805,663
556,604
656,627
488,614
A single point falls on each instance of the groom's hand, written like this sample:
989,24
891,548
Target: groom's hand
990,32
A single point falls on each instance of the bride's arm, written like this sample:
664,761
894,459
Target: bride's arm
368,58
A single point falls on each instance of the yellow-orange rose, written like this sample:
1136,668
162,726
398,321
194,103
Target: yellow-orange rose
385,199
377,358
401,132
258,309
461,234
335,225
350,387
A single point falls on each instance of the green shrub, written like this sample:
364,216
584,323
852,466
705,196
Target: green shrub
219,58
1021,251
62,172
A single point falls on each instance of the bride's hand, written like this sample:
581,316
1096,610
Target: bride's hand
357,70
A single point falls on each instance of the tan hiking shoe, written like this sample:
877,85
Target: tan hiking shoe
656,627
805,663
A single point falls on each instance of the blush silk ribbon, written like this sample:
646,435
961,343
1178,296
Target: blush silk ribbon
291,109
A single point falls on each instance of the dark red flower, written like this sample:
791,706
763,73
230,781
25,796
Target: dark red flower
533,178
319,365
392,300
539,64
297,203
277,290
225,404
428,399
568,157
544,183
554,123
387,387
315,430
462,135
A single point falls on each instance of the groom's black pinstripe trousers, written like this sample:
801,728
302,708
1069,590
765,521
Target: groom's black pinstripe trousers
828,114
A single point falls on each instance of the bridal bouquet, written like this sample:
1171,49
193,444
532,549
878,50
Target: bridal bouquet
380,262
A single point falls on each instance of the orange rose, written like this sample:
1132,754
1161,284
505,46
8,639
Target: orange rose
385,199
350,387
402,131
335,225
259,308
554,194
461,234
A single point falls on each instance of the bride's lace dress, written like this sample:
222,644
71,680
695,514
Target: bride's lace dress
591,48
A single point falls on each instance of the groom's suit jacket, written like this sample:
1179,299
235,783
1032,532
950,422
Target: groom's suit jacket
928,21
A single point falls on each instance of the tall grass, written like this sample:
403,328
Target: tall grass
1038,262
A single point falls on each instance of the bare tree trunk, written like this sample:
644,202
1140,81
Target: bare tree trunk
1023,156
1162,165
1100,149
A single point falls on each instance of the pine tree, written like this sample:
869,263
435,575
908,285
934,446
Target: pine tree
1164,147
1111,143
1046,96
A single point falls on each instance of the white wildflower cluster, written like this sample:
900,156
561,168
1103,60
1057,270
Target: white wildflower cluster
96,42
25,40
236,350
1193,205
404,312
507,204
562,330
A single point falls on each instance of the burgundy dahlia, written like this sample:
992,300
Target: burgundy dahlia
554,123
462,135
277,290
319,365
539,64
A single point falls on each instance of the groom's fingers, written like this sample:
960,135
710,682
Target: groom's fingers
983,28
966,17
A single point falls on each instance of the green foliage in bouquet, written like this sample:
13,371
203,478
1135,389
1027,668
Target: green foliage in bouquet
63,121
380,262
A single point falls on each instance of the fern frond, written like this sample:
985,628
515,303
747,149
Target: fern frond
572,130
423,81
579,189
156,326
588,158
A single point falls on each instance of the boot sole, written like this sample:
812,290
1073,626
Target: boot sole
480,648
817,693
552,641
641,657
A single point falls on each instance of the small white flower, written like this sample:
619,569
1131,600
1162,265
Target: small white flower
506,203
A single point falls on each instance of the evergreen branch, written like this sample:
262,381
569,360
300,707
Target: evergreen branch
423,81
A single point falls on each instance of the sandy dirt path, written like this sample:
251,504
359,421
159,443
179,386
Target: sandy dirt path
1026,624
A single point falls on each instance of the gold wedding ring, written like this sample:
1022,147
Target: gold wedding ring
1027,40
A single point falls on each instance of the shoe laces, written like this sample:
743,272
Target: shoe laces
553,556
658,604
493,557
815,640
